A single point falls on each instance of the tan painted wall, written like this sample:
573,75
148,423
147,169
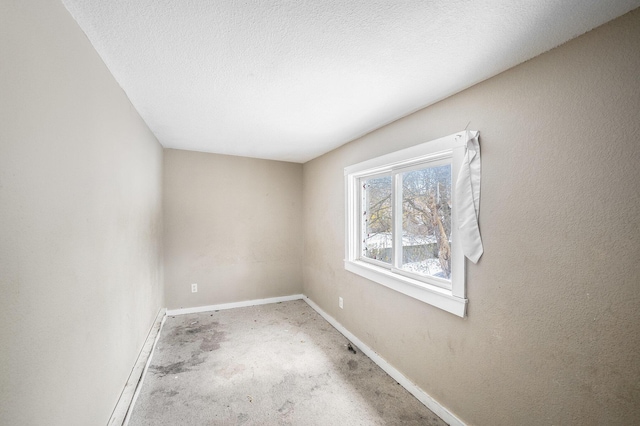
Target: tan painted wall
233,225
80,219
553,331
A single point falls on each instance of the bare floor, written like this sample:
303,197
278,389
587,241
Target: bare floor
279,364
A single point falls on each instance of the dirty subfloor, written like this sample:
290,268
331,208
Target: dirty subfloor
279,364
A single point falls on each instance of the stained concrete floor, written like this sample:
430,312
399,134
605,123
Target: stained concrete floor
279,364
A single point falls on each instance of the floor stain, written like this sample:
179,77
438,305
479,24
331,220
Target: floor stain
286,385
195,359
176,367
209,335
287,409
166,392
166,370
211,341
320,381
202,372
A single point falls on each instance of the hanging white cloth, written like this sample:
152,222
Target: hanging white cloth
467,199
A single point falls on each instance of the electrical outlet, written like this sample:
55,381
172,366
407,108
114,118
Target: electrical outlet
340,302
194,288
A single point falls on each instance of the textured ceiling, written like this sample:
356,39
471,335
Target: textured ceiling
291,80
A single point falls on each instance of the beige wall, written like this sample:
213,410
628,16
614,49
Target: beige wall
552,335
233,225
553,328
80,219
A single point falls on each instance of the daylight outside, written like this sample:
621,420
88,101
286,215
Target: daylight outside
426,220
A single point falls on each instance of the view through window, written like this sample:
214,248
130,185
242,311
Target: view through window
402,227
424,201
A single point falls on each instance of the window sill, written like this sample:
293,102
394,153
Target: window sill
435,296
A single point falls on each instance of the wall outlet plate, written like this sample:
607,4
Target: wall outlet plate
194,288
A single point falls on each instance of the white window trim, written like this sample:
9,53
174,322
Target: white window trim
451,300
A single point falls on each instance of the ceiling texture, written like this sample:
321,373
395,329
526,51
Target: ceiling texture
292,80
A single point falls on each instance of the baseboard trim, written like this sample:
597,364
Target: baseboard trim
124,407
233,305
421,395
144,372
121,412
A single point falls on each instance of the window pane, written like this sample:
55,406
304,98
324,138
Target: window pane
426,221
376,213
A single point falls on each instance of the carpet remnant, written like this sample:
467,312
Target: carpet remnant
279,364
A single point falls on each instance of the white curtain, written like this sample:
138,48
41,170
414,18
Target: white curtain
467,199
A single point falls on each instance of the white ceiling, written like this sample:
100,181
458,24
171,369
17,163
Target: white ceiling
292,79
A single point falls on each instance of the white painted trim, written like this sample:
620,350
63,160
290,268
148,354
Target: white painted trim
431,294
425,289
144,373
123,407
232,305
421,395
408,156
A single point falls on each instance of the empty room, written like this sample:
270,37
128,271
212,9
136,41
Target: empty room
319,212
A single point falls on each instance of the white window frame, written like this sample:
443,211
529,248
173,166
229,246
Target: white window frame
427,289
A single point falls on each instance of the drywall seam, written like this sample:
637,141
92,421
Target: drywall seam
232,305
125,421
413,389
134,381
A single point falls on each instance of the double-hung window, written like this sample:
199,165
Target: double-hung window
401,227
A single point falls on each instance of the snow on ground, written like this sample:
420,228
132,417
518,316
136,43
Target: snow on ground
426,267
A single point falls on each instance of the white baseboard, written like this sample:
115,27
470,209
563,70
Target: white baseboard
121,412
144,372
412,388
232,305
421,395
